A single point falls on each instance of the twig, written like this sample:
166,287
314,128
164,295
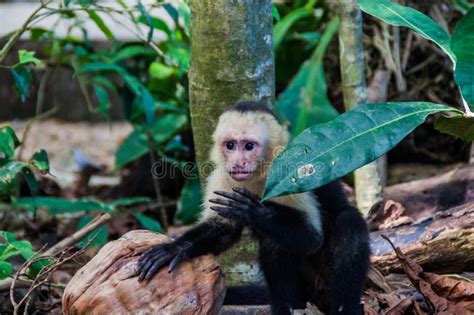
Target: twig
14,38
156,185
401,83
407,50
79,235
61,246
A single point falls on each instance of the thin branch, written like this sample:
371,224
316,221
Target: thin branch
14,38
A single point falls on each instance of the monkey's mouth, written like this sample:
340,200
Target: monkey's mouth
241,175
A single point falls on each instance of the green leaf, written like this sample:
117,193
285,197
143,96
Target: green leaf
40,161
283,26
25,57
458,126
6,269
8,175
135,146
103,98
8,252
148,19
328,151
396,14
7,236
59,205
131,52
160,71
129,201
149,223
190,201
462,45
156,23
23,79
101,24
305,102
8,143
275,13
100,234
167,126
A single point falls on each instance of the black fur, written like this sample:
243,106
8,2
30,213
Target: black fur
250,106
299,264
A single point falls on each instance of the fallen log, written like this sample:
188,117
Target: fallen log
108,284
443,243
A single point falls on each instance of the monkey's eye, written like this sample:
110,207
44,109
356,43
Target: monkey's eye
249,146
230,145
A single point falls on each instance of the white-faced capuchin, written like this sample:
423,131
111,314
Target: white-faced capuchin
313,246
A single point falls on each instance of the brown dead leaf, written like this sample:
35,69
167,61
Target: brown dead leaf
400,308
438,305
458,291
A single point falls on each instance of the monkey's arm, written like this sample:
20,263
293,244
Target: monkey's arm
211,236
286,226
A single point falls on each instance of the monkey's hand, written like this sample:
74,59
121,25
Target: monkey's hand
241,206
153,259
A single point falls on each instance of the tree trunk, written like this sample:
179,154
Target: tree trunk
231,60
368,181
444,243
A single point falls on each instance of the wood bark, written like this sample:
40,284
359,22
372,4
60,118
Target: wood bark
108,284
443,243
231,60
368,180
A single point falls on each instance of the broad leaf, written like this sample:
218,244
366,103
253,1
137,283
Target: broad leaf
160,71
308,90
399,15
462,45
149,223
8,175
328,151
25,56
135,146
458,126
167,126
23,79
8,237
131,52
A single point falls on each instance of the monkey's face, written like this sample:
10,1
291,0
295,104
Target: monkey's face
243,156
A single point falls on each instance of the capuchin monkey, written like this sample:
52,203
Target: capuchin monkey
313,246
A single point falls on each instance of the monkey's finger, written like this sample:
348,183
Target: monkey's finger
225,202
244,192
156,265
148,262
176,261
233,196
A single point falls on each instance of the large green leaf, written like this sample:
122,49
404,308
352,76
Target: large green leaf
101,24
328,151
8,175
399,15
40,161
457,126
462,45
305,102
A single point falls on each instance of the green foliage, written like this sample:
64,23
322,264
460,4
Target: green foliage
328,151
10,247
10,169
190,201
399,15
148,223
457,126
98,237
21,72
462,44
305,102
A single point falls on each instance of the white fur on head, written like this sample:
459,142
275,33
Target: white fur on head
264,125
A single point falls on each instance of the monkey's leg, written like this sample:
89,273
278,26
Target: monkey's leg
283,276
212,236
349,263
